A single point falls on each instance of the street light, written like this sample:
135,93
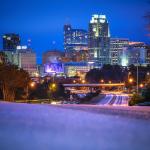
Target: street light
53,85
130,80
141,85
32,84
110,82
29,85
129,73
137,78
83,81
102,81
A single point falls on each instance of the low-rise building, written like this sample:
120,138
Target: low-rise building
136,53
77,69
27,61
148,55
12,57
52,56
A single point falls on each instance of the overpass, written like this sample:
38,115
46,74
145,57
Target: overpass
96,85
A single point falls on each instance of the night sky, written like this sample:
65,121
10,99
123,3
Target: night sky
42,20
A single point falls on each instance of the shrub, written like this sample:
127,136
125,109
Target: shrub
146,94
136,99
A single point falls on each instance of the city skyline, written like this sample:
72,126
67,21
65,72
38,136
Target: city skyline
45,26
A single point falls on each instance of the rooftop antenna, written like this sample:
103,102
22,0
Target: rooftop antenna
54,45
29,43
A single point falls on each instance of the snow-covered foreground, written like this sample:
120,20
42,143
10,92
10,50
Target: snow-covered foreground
44,127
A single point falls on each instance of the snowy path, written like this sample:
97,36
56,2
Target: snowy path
43,127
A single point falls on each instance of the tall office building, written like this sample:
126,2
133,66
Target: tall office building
117,48
99,39
11,41
75,43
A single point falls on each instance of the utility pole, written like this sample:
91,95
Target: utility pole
137,79
137,76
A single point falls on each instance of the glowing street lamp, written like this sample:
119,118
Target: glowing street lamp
141,85
32,84
102,81
29,85
110,82
130,80
83,81
53,85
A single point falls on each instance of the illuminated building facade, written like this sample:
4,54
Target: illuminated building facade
136,53
12,57
99,39
27,60
148,55
52,62
24,58
10,41
118,47
75,43
54,68
52,56
80,69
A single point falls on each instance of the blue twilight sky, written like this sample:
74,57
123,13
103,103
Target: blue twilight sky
42,20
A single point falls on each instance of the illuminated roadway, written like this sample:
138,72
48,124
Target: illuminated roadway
114,100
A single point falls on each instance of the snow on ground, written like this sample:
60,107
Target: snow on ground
44,127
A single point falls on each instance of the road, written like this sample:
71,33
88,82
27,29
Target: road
114,100
47,127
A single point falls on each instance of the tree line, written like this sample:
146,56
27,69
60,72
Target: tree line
12,79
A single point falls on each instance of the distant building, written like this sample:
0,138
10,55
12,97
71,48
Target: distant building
136,53
75,43
24,58
12,57
117,48
99,39
77,69
27,60
52,56
10,41
148,54
52,62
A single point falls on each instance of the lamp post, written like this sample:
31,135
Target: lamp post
29,85
137,77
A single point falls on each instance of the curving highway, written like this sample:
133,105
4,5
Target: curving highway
114,100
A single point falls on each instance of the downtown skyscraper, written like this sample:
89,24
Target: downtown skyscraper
99,40
11,41
75,43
